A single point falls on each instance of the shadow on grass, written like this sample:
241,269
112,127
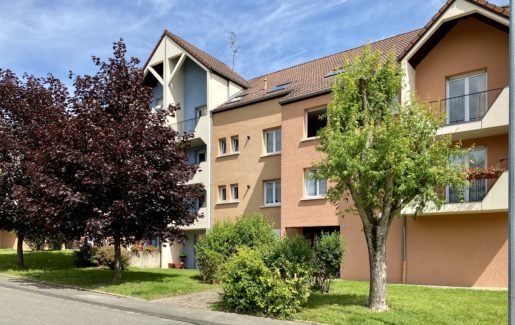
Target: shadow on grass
321,300
58,267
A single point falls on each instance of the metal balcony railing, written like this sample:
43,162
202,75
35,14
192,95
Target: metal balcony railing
186,126
481,182
466,108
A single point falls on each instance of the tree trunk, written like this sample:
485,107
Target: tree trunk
376,242
19,251
117,259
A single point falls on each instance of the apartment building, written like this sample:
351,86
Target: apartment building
181,74
260,145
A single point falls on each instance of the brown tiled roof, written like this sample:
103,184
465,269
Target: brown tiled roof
501,10
308,79
207,60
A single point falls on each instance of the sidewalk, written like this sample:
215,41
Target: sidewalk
177,313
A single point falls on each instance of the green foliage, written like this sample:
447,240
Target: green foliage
86,256
387,154
223,240
292,257
329,252
106,258
251,286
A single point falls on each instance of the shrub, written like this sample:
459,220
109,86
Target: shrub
86,256
329,252
223,240
251,286
106,257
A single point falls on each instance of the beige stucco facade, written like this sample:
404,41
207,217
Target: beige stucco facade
251,166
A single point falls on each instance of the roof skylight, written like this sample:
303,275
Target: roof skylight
333,72
280,87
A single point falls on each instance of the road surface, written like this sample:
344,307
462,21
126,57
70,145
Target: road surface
22,307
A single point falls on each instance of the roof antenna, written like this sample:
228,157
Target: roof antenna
234,47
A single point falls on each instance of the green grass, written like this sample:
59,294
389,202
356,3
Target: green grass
57,267
345,304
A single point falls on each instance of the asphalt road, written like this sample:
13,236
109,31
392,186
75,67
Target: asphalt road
21,307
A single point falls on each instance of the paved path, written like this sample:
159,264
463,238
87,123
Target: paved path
201,300
65,304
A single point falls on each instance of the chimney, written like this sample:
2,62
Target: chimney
265,80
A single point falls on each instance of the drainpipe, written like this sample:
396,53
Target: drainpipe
404,250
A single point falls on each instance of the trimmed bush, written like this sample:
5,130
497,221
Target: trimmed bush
250,286
86,256
223,240
329,252
106,257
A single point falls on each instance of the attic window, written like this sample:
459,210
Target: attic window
236,97
333,73
280,87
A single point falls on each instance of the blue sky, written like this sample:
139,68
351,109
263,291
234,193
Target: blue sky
41,36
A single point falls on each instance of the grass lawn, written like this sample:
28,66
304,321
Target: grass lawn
408,305
57,267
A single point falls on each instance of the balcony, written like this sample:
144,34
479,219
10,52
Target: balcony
473,115
198,127
487,191
201,176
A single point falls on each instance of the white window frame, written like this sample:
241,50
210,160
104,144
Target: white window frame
306,126
235,198
275,137
200,111
222,189
222,146
466,160
317,184
235,150
274,193
466,97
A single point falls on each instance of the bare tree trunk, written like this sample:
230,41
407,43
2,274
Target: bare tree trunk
376,241
117,259
19,251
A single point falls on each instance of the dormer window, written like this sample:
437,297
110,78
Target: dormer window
280,87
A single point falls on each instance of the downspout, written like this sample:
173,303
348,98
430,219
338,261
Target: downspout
404,249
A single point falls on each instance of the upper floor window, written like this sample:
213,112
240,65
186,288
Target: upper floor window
200,111
315,187
235,195
273,141
235,144
476,189
200,156
315,120
222,193
272,192
466,98
222,146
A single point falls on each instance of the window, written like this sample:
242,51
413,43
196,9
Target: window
334,72
315,120
466,98
222,193
273,141
200,111
198,203
200,156
222,146
476,190
280,87
234,192
235,144
272,192
315,187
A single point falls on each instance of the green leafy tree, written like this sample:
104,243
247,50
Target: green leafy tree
386,156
